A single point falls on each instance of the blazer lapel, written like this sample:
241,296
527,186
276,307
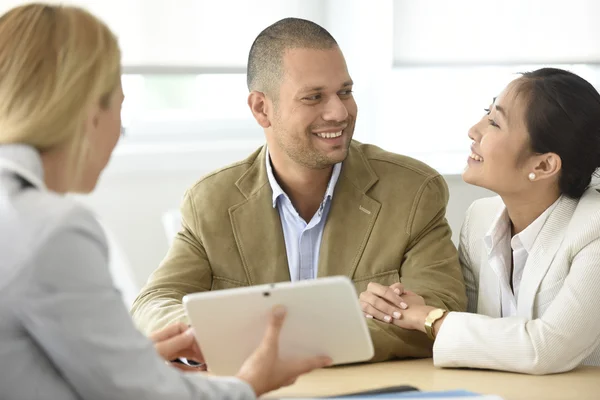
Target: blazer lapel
489,299
544,249
351,218
257,228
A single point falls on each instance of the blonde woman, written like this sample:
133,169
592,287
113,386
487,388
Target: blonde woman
64,331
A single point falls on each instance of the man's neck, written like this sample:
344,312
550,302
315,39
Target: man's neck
525,208
305,187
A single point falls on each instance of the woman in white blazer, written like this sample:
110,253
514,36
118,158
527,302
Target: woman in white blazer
64,330
531,255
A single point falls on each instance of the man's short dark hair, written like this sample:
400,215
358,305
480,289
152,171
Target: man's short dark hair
265,61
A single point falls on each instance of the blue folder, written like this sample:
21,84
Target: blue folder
412,395
403,392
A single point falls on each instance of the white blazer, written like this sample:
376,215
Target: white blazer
557,326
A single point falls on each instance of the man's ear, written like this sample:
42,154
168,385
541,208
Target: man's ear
257,101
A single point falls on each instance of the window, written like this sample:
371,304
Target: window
423,70
184,64
189,106
428,110
451,58
189,33
514,32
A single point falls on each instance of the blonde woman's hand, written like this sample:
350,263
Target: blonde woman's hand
265,371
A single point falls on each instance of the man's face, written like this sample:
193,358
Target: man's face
313,118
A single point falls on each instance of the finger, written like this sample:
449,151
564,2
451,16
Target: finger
172,347
271,338
196,353
290,381
308,364
375,313
381,305
398,288
387,293
170,331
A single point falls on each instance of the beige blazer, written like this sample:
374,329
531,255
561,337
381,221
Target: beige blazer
558,321
386,224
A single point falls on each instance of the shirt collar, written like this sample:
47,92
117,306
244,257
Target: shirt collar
497,231
23,161
528,235
278,191
501,228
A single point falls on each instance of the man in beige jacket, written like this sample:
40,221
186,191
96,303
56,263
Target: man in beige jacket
311,203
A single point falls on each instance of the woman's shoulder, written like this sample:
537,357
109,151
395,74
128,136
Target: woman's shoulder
482,213
590,201
486,204
478,219
49,212
31,221
584,224
38,216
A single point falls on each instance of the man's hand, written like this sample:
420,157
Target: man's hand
178,341
389,303
265,371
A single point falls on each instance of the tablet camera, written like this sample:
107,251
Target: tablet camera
266,294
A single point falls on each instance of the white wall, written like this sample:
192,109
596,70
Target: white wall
132,202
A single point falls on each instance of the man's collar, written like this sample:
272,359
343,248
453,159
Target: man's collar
278,191
356,170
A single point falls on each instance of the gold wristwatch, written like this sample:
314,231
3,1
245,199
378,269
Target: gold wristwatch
433,316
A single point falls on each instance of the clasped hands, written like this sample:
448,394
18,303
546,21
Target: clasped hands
395,305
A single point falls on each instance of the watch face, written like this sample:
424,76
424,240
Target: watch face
435,314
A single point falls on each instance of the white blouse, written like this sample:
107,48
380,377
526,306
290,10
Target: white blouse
505,254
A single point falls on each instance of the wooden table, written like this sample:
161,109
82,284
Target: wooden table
582,383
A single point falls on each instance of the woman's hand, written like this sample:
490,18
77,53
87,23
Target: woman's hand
389,303
393,304
265,371
178,341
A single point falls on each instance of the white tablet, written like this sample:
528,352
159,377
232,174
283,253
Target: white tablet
323,318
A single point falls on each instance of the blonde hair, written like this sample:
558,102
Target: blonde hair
56,62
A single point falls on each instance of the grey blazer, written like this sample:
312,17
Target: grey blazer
64,330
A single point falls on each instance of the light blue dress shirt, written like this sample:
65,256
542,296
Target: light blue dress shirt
302,239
